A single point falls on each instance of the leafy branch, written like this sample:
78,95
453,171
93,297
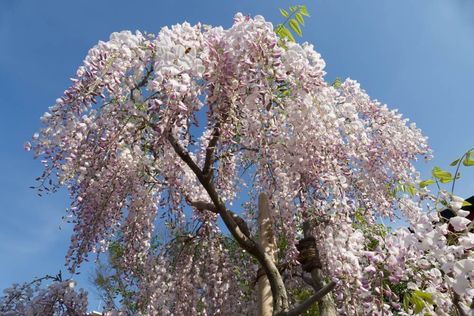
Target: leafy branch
294,19
440,175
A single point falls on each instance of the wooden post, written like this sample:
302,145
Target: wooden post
267,241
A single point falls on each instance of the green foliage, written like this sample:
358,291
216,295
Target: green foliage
455,162
410,189
295,27
337,82
399,289
294,19
417,300
426,183
284,32
369,230
398,187
109,280
284,13
299,18
442,175
469,159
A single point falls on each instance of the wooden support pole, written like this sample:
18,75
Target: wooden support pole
267,242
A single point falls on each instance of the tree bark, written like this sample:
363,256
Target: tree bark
326,305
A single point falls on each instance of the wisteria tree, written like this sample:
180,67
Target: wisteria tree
171,144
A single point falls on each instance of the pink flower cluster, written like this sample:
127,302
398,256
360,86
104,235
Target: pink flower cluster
59,298
324,154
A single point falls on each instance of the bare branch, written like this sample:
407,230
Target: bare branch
209,160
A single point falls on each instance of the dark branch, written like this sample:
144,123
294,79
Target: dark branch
186,158
201,205
309,281
219,207
243,239
210,151
457,304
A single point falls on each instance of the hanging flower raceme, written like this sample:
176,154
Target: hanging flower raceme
159,132
58,298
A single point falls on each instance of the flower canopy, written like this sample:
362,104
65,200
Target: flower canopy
149,119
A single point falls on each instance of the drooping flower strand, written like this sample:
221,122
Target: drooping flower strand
153,126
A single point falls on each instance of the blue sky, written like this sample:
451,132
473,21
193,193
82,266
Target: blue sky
417,56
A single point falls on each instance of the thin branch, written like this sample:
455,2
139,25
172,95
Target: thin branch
456,302
201,205
186,158
210,151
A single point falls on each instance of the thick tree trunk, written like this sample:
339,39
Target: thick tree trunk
267,242
326,306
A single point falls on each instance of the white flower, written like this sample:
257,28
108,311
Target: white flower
456,203
467,241
27,146
459,223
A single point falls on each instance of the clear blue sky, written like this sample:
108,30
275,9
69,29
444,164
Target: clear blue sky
417,56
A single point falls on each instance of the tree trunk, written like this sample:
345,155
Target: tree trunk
326,306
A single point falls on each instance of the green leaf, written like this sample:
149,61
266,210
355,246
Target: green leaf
469,160
337,83
406,301
303,10
455,162
295,27
141,106
428,297
293,8
360,217
418,302
283,32
399,188
445,180
426,183
299,18
411,190
284,13
442,175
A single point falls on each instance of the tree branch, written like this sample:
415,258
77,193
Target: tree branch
303,307
210,151
249,245
186,158
456,302
310,282
201,205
